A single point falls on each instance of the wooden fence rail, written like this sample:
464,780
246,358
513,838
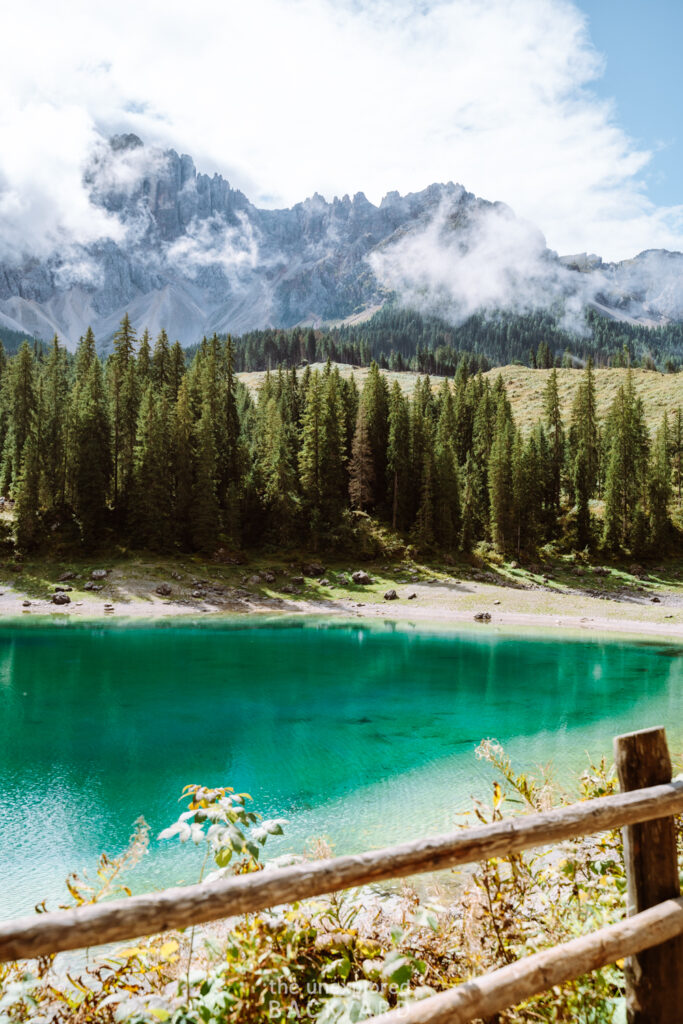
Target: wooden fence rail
654,981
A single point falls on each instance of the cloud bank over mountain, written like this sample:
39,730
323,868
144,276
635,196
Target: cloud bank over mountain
290,97
182,250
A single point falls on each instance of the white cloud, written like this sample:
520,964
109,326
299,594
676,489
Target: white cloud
212,242
292,96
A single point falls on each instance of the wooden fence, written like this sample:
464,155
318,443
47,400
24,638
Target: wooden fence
651,936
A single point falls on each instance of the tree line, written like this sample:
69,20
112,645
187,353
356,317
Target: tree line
153,450
404,339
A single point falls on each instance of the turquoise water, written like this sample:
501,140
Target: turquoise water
363,735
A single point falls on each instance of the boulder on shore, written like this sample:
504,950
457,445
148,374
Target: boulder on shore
482,617
61,598
360,577
164,590
99,574
391,595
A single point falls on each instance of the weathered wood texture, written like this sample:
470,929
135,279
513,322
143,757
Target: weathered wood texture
177,908
488,995
654,978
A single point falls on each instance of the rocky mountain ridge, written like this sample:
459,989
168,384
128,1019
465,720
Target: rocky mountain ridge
190,253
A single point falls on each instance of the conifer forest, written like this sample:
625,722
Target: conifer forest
157,449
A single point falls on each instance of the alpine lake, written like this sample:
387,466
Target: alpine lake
364,735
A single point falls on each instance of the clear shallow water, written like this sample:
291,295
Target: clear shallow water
364,735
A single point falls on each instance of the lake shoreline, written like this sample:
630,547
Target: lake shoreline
435,599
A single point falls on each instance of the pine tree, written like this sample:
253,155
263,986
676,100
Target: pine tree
584,432
500,481
677,451
398,457
124,401
21,409
659,490
86,353
54,427
625,484
375,398
161,365
205,511
447,523
424,531
177,371
277,474
27,493
144,361
361,467
151,515
555,436
183,466
91,457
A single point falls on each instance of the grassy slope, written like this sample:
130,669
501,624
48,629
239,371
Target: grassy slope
659,391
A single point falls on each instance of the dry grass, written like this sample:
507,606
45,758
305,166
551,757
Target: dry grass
660,391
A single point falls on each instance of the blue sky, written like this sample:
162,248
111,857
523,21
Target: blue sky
642,41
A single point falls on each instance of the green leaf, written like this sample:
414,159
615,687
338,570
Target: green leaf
223,857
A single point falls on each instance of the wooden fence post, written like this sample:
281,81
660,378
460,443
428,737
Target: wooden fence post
654,978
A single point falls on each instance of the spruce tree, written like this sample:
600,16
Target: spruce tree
205,508
91,457
124,401
54,427
361,466
500,482
21,410
398,457
161,364
151,514
278,478
184,458
375,398
311,453
447,522
27,494
659,490
144,361
555,435
177,371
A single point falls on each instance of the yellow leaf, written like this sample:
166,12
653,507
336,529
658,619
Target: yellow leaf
497,795
168,949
